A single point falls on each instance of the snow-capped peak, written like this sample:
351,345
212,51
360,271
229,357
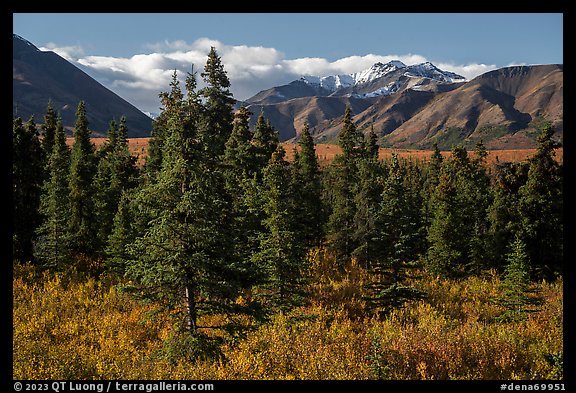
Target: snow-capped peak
429,70
378,70
334,82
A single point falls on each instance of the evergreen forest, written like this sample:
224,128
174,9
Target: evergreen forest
219,258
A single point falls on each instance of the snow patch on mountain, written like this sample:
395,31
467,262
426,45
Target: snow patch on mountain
379,70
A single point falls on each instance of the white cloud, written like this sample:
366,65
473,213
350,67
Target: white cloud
70,53
468,71
140,78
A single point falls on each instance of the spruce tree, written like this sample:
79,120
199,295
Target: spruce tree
342,184
308,189
503,213
115,173
52,249
265,141
81,225
372,147
367,200
240,171
183,256
281,250
459,203
447,246
49,130
350,139
517,297
218,108
239,153
171,104
397,240
27,179
541,208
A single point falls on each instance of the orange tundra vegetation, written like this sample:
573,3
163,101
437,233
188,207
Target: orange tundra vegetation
70,325
327,152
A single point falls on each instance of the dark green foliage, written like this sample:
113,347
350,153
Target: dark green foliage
27,178
116,172
517,298
49,130
350,139
397,242
242,176
540,207
217,114
52,248
183,254
370,185
239,153
308,191
459,205
81,225
372,147
282,253
447,245
341,185
265,141
503,213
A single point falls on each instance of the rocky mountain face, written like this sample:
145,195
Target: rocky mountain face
39,76
418,105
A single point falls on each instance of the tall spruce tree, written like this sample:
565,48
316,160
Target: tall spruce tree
541,208
182,257
81,225
308,190
446,252
342,186
218,110
432,174
459,204
265,141
171,103
115,173
503,213
367,200
240,171
397,242
52,249
239,153
27,179
281,249
49,130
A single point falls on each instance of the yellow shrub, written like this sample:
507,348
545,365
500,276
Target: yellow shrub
73,326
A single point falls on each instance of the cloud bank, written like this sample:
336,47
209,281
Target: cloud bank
140,78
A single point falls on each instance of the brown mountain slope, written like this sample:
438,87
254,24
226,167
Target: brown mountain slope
288,117
503,107
499,107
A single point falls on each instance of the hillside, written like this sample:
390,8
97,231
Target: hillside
39,76
415,108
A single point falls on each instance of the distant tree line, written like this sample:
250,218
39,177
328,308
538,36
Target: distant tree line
217,221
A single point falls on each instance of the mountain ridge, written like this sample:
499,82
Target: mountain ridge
408,108
39,76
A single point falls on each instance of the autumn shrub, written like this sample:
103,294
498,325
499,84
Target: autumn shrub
74,326
67,327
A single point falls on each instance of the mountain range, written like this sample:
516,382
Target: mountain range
417,105
408,106
39,76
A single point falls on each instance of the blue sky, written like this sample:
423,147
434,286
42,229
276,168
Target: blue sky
135,54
